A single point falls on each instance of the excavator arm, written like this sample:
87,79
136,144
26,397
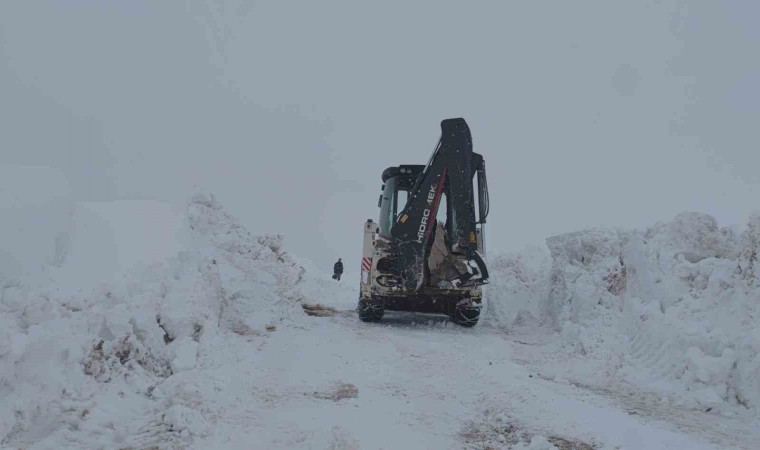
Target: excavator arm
451,169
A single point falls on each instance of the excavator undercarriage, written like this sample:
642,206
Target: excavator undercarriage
426,252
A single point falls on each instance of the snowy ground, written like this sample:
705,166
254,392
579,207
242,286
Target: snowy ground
210,348
414,382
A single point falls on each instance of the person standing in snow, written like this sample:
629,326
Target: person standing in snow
338,270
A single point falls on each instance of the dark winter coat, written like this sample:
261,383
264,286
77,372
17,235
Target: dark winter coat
338,268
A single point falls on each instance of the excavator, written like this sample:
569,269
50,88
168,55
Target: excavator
426,253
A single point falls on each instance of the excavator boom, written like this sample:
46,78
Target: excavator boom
449,170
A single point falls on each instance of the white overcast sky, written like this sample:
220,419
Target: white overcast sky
588,113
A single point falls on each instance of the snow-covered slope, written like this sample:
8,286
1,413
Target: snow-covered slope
674,309
91,359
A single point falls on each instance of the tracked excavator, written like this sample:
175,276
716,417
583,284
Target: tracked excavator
426,253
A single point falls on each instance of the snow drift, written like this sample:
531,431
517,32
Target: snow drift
92,362
673,309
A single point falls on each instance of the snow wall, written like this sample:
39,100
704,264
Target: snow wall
163,289
674,309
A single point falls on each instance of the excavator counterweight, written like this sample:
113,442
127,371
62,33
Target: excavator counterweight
426,252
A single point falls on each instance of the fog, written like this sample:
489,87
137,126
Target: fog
595,113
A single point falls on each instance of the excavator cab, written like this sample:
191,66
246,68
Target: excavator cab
397,183
425,253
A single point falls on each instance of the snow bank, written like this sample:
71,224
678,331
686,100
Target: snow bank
92,362
673,309
691,312
519,292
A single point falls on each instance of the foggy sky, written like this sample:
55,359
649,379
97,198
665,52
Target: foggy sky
590,113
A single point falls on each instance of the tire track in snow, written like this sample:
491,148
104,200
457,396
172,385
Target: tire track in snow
471,354
719,430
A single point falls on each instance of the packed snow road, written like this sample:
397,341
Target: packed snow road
414,382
